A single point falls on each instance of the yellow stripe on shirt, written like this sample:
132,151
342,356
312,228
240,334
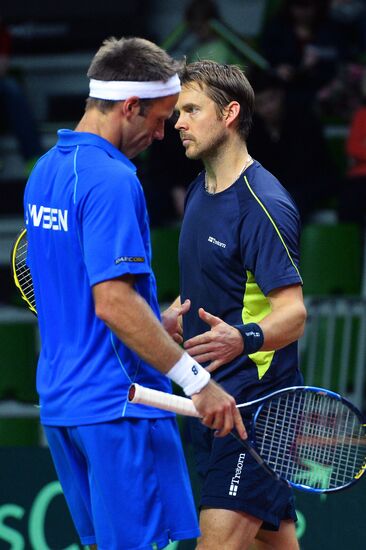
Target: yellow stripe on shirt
256,307
273,223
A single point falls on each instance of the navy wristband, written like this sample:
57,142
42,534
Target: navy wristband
252,335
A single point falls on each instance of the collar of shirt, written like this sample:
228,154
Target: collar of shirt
69,138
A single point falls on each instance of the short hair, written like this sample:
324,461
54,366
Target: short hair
130,59
223,84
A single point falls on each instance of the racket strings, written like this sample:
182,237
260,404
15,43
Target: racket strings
332,439
22,272
311,439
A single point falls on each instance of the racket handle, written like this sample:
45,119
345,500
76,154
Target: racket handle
161,400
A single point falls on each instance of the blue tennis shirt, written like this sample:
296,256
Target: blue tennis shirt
87,222
236,246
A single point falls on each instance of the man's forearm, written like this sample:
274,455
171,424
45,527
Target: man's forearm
283,326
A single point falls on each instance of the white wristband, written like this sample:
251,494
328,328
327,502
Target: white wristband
189,374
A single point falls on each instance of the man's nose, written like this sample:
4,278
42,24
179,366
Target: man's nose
180,123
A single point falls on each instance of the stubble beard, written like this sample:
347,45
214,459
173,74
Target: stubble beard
208,149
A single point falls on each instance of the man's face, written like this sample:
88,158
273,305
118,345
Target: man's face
143,129
201,128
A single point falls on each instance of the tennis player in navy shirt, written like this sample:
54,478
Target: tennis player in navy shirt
239,259
121,466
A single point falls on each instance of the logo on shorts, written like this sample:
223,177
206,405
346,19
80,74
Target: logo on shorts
234,484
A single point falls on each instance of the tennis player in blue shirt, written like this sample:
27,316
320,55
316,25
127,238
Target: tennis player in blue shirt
239,259
121,466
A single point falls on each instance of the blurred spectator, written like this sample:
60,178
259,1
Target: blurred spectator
350,16
289,142
14,107
353,193
342,97
303,45
338,101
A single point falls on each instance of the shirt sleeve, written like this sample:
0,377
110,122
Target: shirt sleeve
269,245
113,228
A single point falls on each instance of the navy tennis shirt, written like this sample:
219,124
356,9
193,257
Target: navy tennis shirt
236,246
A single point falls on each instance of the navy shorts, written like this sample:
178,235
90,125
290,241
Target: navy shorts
125,482
233,480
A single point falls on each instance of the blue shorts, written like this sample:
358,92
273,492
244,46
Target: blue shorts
125,482
233,480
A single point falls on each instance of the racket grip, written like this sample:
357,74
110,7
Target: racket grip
161,400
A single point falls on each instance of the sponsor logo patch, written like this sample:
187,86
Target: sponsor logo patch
130,259
216,242
46,217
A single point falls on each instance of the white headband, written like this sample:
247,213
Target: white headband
119,90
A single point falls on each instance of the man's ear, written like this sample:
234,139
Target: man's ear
131,107
231,112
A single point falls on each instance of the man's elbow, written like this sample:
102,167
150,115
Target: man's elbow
301,320
105,306
103,311
109,297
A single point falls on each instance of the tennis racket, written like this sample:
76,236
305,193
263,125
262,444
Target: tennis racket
21,272
310,437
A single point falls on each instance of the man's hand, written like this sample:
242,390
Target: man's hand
171,319
218,410
219,345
